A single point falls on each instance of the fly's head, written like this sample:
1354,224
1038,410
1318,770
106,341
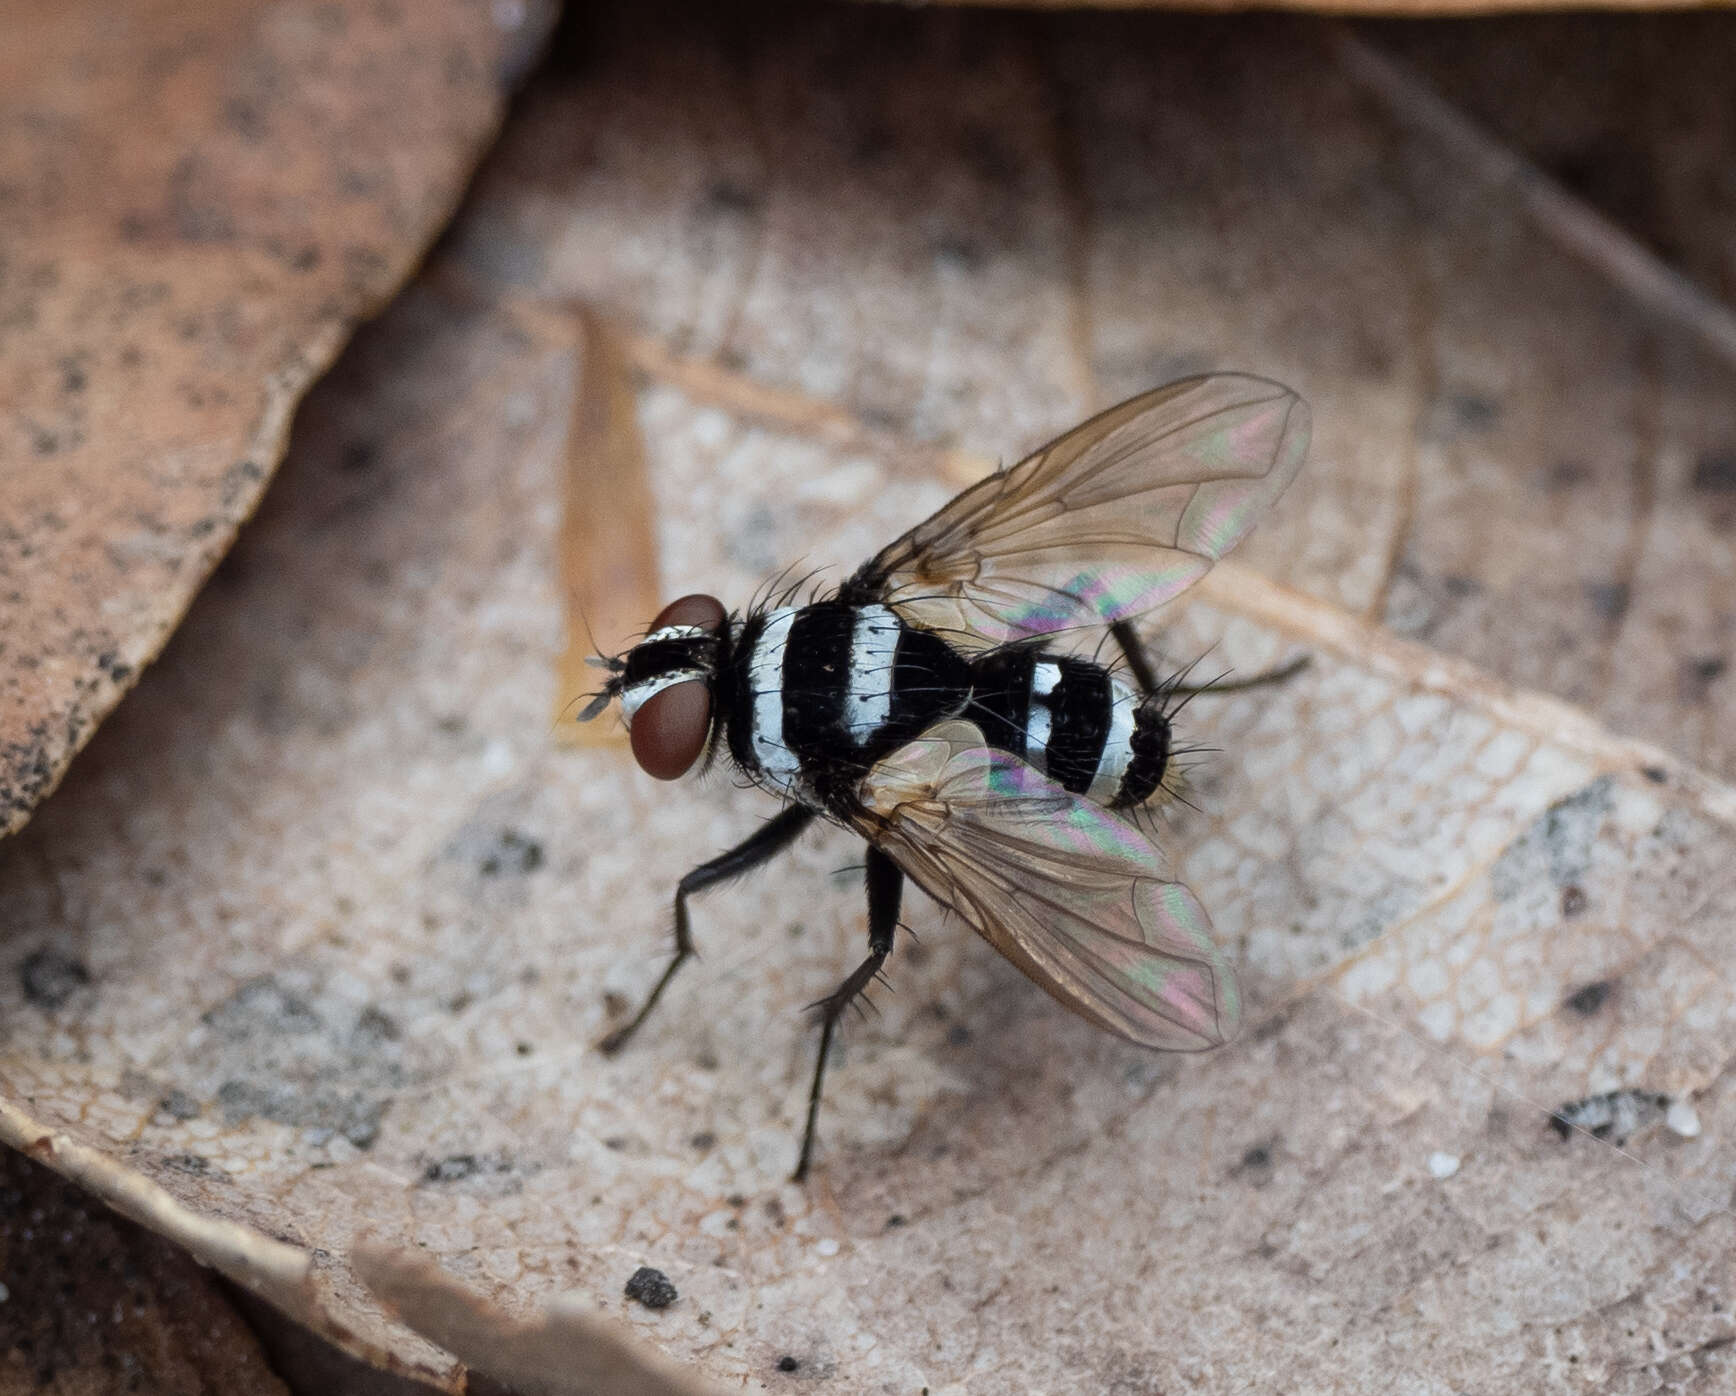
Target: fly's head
665,685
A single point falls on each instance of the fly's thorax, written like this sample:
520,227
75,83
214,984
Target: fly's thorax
818,693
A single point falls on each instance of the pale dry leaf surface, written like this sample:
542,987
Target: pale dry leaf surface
314,943
197,205
973,230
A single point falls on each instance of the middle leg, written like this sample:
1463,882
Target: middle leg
885,890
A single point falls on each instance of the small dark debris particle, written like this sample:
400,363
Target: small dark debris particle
524,1049
652,1288
957,1035
617,1142
895,1220
1257,1157
787,1363
703,1140
179,1105
1573,900
451,1169
1589,998
1657,775
50,977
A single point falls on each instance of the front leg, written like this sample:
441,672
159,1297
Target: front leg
885,890
771,839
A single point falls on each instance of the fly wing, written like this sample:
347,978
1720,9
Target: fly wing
1113,519
1069,893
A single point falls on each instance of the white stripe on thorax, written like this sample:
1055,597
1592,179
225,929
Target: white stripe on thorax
868,700
1117,747
1045,679
765,681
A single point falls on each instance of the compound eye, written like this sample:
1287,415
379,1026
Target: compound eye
669,730
698,609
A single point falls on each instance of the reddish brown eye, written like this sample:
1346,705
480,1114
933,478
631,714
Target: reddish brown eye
669,730
698,609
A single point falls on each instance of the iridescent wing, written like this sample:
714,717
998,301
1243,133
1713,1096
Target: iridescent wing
1113,519
1069,893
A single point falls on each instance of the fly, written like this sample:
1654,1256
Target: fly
923,706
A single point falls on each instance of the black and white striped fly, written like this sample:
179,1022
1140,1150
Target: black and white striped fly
935,705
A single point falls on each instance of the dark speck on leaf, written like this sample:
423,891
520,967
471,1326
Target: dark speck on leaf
50,977
1588,998
515,852
788,1364
451,1169
1473,411
358,456
652,1288
1609,599
1613,1115
1716,471
1565,474
1695,676
728,197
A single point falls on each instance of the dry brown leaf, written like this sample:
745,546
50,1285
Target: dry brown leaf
314,944
197,205
89,1305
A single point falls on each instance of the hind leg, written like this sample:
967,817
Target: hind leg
1133,649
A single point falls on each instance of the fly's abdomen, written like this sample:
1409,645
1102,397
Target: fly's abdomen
1073,721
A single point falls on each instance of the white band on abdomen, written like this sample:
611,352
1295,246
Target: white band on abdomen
1117,747
1045,679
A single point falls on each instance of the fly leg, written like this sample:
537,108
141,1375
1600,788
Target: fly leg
769,840
885,888
1140,664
